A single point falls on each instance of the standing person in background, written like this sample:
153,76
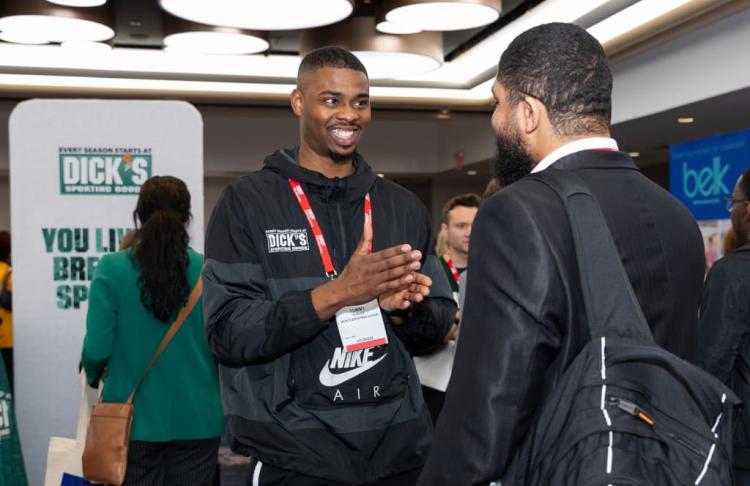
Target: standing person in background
435,369
6,305
135,295
724,329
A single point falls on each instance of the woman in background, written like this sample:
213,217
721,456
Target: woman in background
135,296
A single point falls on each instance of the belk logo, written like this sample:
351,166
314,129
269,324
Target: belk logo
104,172
287,240
706,183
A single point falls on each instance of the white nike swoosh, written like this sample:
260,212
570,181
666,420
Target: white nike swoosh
335,379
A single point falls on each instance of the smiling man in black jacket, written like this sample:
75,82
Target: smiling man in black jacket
296,253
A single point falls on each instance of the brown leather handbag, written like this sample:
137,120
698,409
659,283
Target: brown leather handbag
105,454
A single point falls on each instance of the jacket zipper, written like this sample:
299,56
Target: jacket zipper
634,410
342,234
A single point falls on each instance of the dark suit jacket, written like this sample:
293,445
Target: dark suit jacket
524,318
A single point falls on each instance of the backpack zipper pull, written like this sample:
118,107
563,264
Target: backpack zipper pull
631,409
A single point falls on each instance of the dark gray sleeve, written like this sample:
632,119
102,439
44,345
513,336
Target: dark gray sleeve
243,324
723,324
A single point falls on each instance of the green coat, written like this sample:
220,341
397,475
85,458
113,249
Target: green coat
179,399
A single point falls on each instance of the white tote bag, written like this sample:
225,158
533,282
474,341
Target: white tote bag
64,455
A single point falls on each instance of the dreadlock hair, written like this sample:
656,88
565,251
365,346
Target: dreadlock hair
160,247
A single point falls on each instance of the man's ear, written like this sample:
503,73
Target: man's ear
443,227
532,114
297,101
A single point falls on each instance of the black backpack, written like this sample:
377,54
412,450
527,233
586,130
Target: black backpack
625,412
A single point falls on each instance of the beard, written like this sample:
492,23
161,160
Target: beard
512,161
340,158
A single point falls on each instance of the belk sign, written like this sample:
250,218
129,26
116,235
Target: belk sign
701,173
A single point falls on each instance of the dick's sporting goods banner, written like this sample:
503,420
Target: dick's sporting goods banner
76,167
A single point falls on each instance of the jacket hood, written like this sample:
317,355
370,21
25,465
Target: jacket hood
284,162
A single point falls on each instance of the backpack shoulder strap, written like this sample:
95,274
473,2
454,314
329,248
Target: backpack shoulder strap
612,309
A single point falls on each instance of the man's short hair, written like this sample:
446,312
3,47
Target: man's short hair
330,57
566,68
745,183
469,200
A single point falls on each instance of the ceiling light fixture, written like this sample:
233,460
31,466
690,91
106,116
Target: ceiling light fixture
261,14
21,37
634,154
443,115
215,43
183,36
685,119
386,27
442,15
57,29
471,172
79,3
18,18
385,56
87,47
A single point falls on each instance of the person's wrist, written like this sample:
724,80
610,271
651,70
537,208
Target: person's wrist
328,299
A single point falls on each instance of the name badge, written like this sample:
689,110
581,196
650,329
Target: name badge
361,326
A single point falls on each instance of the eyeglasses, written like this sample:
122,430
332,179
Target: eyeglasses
730,202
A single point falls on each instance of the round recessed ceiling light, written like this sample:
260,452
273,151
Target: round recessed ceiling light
394,28
442,15
261,14
685,119
87,47
471,172
21,37
215,43
57,29
389,65
443,115
79,3
634,154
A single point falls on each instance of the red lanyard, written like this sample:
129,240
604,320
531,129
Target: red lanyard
452,268
304,204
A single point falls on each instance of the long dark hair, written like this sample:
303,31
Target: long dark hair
160,247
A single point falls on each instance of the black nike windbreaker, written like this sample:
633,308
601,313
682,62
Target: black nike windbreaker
292,397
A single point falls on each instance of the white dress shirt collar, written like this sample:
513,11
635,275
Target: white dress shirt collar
592,143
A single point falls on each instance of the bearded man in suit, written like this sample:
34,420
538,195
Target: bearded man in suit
524,319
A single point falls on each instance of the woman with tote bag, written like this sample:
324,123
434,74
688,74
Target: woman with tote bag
135,295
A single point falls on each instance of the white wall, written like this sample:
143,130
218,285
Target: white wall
702,64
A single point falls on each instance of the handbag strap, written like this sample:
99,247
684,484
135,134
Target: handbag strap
195,294
84,410
612,309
